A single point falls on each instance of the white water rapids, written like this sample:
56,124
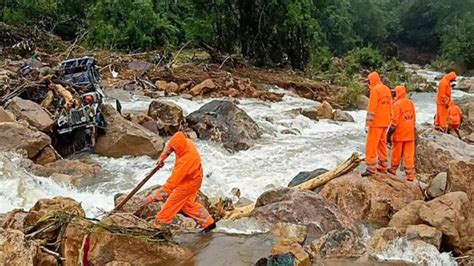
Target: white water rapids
274,160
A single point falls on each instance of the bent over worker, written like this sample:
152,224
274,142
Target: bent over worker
454,119
402,132
180,190
377,121
443,98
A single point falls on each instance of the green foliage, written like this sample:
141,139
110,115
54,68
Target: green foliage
458,43
367,58
128,25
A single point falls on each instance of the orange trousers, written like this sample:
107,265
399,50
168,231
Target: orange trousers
441,116
183,200
376,148
407,149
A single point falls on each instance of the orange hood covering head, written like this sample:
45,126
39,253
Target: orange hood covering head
178,143
400,92
374,79
451,76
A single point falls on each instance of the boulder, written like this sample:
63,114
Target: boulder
45,259
437,185
424,233
6,116
32,112
224,122
408,215
466,85
317,214
44,208
373,199
300,255
168,115
434,147
288,233
134,205
144,121
362,102
14,220
438,152
139,65
145,247
126,220
461,178
124,138
202,88
452,215
467,259
382,238
47,155
167,86
311,113
74,168
15,249
338,244
342,116
15,136
325,111
72,239
302,177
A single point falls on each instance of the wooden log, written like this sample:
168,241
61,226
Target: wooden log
342,169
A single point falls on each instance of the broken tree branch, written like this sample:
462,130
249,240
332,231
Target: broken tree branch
342,169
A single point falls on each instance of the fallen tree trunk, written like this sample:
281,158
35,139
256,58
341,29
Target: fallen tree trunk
342,169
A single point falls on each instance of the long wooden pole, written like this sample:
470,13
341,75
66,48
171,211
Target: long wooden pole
343,168
135,190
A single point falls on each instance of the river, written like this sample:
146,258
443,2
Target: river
274,160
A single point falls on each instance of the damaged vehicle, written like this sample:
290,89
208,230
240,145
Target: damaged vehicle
80,122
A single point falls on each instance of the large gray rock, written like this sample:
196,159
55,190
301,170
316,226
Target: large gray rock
224,122
15,136
438,152
6,116
32,112
168,116
338,244
342,116
302,177
317,214
124,138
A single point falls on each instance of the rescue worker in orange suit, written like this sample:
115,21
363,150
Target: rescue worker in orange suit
180,190
378,119
454,119
442,101
402,134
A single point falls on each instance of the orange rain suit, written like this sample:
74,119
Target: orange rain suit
378,119
454,116
182,186
442,100
403,138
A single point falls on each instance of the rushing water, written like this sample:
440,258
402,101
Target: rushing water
274,160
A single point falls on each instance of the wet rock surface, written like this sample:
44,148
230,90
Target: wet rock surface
373,199
424,233
302,177
452,215
30,111
317,214
124,138
168,116
224,122
338,244
15,249
408,215
15,136
342,116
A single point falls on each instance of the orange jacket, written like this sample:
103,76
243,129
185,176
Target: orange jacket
444,90
404,116
187,172
454,114
380,103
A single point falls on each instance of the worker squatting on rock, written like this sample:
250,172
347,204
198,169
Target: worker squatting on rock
402,133
378,120
180,190
443,99
454,119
